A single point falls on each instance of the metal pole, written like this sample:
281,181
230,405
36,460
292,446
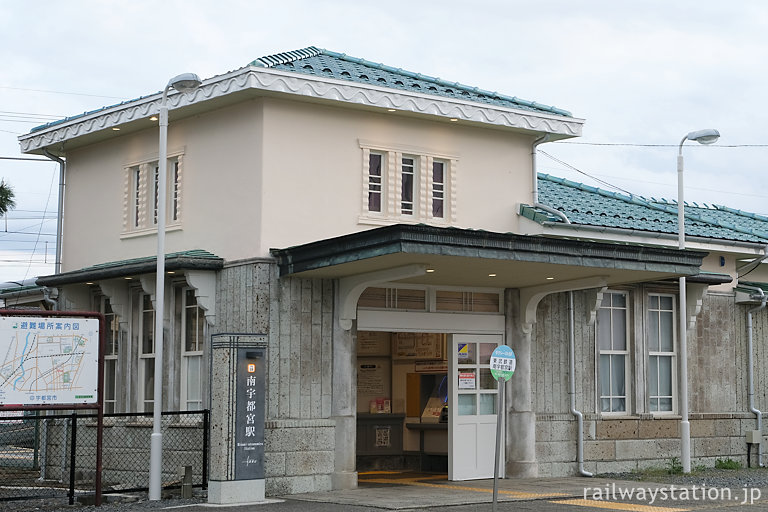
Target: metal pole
501,383
685,426
206,426
72,459
156,446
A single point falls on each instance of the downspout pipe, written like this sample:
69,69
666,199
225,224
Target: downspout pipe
60,216
572,389
547,137
750,371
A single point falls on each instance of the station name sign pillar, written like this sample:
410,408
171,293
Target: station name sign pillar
238,387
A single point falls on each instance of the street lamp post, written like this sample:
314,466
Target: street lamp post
183,83
702,137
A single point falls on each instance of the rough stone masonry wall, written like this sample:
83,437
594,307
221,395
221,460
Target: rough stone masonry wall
297,317
717,393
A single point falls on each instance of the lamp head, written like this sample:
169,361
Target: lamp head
707,136
185,82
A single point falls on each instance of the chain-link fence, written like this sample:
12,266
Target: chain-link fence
54,455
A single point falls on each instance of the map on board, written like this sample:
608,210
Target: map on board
48,360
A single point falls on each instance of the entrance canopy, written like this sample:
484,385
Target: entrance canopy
464,257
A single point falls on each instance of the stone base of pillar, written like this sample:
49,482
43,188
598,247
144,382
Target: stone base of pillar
522,469
344,480
228,492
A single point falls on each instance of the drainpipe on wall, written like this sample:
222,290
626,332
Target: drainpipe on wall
754,263
535,177
572,390
752,408
60,216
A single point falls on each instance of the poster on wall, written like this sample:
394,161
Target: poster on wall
373,343
374,385
416,345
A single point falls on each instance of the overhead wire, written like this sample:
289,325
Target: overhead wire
37,240
573,168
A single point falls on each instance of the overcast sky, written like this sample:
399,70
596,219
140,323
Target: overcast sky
642,75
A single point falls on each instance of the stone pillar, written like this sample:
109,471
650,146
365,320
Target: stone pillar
344,400
521,420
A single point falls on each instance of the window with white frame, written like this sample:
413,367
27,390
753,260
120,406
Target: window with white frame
407,184
141,194
146,353
438,189
113,342
375,190
612,334
192,346
662,357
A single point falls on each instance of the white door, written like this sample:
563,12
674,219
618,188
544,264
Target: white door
473,407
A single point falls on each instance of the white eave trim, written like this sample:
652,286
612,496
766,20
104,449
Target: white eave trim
272,80
637,237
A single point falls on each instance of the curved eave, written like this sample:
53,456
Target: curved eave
466,257
173,263
256,81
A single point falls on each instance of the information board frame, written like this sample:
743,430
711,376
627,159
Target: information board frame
98,405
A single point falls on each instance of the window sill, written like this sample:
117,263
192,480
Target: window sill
641,416
405,219
148,232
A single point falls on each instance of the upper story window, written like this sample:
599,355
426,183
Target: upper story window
374,181
405,184
408,179
438,189
142,195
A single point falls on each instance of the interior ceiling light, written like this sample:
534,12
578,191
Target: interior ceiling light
153,118
491,275
430,270
453,119
550,278
391,110
115,129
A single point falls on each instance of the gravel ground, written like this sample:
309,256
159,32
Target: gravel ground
709,477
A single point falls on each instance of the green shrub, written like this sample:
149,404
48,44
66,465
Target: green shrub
674,466
727,464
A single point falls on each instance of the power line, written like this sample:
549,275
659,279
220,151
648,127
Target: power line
62,92
632,145
607,184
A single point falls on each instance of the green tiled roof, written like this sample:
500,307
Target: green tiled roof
591,206
338,66
184,260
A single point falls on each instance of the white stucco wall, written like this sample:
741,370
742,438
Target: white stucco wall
311,187
314,169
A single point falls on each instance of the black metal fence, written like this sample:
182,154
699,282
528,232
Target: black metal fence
54,455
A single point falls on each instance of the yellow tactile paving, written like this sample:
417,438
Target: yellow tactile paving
612,505
419,481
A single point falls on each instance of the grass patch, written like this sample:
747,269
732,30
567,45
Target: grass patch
727,464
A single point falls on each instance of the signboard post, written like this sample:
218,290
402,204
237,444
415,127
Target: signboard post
249,414
503,364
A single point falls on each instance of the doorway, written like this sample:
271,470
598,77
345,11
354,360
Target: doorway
473,407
